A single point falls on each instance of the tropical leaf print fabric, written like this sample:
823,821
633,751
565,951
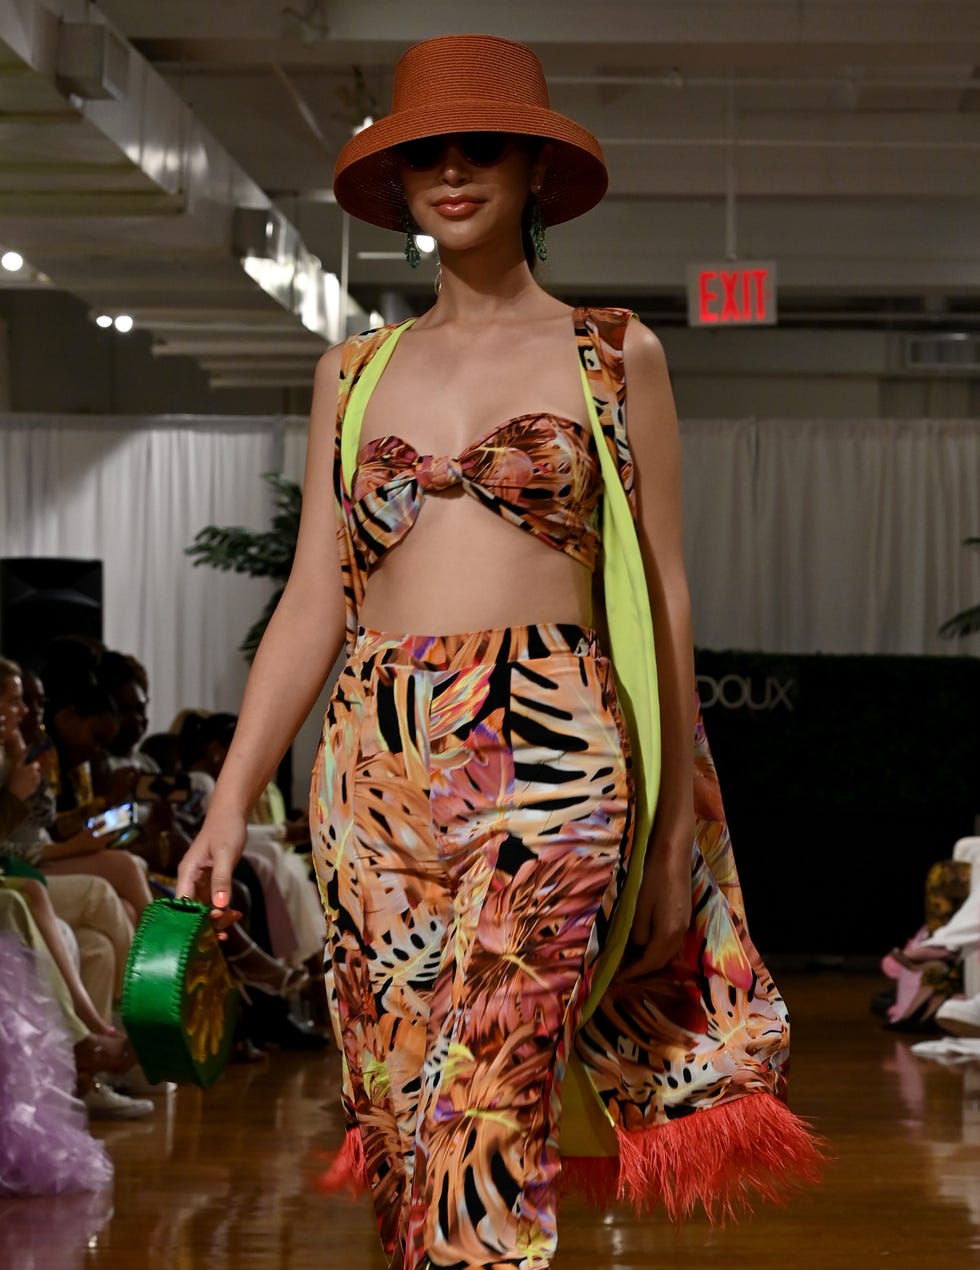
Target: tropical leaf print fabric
472,806
473,814
537,471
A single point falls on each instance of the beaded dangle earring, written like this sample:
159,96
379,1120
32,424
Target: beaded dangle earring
536,230
412,253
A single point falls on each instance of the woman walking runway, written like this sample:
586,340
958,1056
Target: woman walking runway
539,972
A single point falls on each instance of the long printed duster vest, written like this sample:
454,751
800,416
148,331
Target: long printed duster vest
675,1091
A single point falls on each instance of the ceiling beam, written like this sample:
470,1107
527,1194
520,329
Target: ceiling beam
725,32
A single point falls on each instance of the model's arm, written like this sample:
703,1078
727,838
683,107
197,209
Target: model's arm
293,660
663,909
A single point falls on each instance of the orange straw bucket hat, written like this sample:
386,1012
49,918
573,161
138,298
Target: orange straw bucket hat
468,83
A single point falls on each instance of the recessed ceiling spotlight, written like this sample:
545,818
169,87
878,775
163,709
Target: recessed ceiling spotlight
123,323
12,261
103,320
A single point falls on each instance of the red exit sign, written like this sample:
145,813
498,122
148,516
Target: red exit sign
732,293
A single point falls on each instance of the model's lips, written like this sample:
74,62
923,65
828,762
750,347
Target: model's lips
456,207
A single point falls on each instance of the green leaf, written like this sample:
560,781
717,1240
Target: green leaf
962,624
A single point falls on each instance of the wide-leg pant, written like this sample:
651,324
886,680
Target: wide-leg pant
472,821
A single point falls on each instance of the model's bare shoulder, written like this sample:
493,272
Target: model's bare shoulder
642,350
329,365
326,383
649,391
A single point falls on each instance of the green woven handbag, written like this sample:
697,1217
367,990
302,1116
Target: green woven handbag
178,1003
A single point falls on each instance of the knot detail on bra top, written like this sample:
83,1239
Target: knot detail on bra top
437,471
538,471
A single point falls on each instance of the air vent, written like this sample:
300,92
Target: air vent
953,351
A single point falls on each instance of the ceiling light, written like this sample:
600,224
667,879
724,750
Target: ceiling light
123,323
12,261
426,244
103,320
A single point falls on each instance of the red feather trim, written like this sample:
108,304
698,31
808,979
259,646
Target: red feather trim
714,1157
348,1169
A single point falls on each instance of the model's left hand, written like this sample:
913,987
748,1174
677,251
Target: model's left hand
663,906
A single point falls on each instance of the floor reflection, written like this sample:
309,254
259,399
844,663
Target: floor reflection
952,1143
44,1232
223,1179
234,1170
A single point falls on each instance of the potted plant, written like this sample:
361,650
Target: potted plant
968,621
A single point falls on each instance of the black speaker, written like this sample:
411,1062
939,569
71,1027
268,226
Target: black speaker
42,598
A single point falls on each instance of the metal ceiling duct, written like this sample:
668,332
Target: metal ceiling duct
112,186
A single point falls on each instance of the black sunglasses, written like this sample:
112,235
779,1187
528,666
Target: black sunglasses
482,149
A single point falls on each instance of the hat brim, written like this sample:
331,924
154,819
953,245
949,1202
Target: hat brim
367,179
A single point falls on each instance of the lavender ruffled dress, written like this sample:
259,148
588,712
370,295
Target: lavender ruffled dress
45,1146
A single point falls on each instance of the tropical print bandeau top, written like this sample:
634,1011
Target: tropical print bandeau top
540,472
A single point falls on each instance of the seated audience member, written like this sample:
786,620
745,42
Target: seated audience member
127,682
95,1048
163,749
100,1050
164,836
81,718
103,938
35,896
85,901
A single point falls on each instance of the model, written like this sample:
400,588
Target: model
539,971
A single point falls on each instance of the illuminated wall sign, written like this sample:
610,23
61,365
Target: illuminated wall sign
732,293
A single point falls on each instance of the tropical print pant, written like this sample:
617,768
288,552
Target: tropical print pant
473,805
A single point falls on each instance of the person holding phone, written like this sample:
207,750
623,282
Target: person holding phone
534,924
82,897
79,718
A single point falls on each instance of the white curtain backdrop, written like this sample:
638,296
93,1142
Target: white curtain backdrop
800,536
133,493
813,536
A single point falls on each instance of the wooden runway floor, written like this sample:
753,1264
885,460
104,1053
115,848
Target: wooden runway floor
221,1181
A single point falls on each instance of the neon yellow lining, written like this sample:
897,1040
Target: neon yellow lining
586,1125
629,622
354,415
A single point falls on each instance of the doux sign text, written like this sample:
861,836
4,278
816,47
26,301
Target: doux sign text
747,692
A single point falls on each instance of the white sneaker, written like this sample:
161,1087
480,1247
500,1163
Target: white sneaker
960,1015
104,1103
135,1084
951,1049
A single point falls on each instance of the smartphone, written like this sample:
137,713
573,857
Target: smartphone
126,836
112,820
